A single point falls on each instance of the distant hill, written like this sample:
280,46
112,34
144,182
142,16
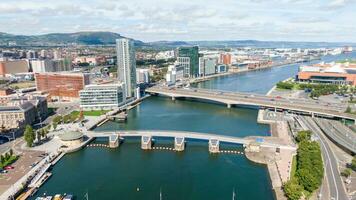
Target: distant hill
53,39
250,43
108,38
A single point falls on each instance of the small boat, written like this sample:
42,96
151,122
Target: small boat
58,197
160,194
233,194
68,197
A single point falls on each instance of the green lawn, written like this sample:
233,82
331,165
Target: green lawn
294,167
9,161
347,60
91,113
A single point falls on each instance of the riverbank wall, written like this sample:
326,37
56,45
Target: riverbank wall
91,124
206,78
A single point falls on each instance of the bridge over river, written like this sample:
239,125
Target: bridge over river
180,136
311,107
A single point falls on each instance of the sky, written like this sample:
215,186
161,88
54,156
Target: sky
156,20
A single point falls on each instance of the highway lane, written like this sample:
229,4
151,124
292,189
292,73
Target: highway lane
260,100
336,188
253,97
339,134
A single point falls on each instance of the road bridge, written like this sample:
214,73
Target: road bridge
310,107
246,141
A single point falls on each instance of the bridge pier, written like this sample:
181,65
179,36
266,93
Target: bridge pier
228,105
146,142
114,141
173,98
179,143
214,146
312,115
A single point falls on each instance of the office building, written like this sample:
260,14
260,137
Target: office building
126,65
188,57
102,97
175,73
207,66
142,76
61,86
221,68
13,67
225,58
59,65
17,112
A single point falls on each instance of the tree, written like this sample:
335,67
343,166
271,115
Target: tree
49,127
346,173
73,117
293,190
2,159
66,119
348,109
353,164
29,135
58,119
54,124
43,132
7,156
303,136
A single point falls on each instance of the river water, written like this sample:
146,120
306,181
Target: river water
131,173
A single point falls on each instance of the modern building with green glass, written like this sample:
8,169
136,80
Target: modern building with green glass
188,57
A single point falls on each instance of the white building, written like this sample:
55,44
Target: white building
142,76
175,73
221,69
126,64
102,97
207,65
59,65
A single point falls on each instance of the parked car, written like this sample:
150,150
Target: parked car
9,167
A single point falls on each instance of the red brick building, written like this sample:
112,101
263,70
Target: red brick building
225,59
61,85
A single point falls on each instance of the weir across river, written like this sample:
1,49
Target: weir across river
180,137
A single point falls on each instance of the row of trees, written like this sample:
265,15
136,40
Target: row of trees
317,90
30,135
285,85
310,170
7,159
70,118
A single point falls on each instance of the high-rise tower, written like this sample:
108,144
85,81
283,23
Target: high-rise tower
126,65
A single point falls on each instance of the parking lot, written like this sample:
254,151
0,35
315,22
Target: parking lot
21,167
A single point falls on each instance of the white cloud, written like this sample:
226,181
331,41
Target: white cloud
186,19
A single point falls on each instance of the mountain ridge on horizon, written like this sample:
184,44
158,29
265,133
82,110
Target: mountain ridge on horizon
108,38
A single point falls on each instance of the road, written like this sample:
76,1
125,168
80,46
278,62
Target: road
236,98
335,184
339,133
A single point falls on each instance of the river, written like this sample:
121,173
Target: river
131,173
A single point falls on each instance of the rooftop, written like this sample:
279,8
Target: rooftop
71,135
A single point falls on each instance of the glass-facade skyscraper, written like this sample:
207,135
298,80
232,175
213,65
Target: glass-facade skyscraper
126,65
188,57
